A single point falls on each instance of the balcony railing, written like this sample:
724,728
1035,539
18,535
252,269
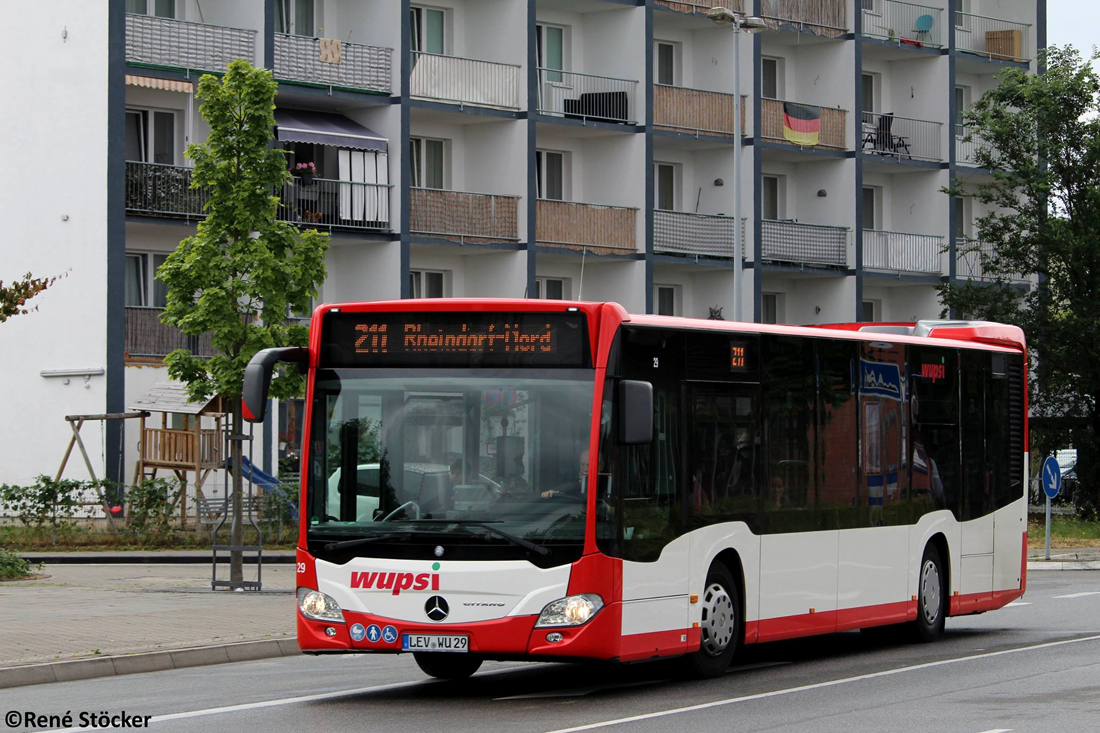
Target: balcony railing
700,6
903,23
684,233
592,227
695,110
586,96
902,252
904,138
162,190
330,62
993,38
184,45
822,17
463,216
971,257
803,244
834,130
147,337
464,81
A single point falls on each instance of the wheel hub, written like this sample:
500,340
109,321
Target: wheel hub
719,620
930,590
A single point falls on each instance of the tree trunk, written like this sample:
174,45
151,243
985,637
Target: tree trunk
236,535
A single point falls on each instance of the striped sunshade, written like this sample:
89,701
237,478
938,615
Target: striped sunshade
154,82
802,123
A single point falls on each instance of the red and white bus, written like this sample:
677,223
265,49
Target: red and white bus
518,479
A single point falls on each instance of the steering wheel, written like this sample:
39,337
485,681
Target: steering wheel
406,505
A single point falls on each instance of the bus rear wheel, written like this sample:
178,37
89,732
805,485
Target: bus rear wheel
447,666
720,627
931,596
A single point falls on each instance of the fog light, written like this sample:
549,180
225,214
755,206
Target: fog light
554,637
329,631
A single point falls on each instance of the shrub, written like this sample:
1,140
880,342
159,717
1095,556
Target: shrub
12,566
153,504
46,503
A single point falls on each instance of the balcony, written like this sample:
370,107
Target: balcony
475,218
967,144
706,235
971,258
691,6
992,38
148,338
586,227
903,23
696,111
163,190
902,252
464,81
828,18
181,44
332,63
803,244
586,96
901,138
833,125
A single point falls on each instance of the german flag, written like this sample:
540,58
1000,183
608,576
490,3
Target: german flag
801,124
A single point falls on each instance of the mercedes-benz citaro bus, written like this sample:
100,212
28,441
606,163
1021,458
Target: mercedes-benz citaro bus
553,480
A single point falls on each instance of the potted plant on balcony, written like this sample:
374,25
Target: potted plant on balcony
307,171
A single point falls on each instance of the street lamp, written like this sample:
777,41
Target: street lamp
747,24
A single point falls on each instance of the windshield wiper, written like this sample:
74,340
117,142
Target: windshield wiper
486,524
347,544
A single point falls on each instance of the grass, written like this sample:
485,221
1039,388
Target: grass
1065,531
23,539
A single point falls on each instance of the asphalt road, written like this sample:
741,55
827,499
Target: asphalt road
1033,666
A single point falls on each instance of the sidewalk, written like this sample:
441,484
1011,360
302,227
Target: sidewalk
99,611
1064,558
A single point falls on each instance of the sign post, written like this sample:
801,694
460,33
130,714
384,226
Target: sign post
1052,484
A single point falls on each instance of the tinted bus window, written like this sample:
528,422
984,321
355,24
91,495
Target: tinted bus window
884,433
789,393
933,379
838,435
976,466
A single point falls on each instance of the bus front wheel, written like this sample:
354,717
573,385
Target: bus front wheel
447,666
931,596
721,626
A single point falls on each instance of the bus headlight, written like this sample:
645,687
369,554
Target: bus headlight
318,606
570,611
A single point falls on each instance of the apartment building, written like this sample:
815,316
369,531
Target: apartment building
578,149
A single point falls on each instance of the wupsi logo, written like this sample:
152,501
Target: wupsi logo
395,582
933,371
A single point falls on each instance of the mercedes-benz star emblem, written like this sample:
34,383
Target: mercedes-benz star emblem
436,608
439,550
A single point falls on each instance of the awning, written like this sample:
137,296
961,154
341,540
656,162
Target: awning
152,82
326,128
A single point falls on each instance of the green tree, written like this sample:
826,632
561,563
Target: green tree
1040,137
14,297
243,269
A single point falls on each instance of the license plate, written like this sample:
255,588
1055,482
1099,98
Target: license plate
435,643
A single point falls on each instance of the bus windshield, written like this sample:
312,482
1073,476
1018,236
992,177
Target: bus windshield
442,454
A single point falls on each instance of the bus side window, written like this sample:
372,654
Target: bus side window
790,394
650,478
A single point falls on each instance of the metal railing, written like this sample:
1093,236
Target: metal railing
693,6
586,96
993,38
585,226
147,337
162,190
331,203
350,65
695,110
465,81
822,17
971,257
463,216
185,45
834,129
967,144
811,244
684,233
902,252
901,22
904,138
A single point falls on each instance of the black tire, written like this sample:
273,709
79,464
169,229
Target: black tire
447,666
721,626
931,597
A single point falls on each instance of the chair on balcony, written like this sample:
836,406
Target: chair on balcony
922,28
882,139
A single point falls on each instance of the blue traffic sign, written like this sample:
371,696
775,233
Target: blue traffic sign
1052,477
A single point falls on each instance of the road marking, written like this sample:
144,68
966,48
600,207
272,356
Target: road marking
1079,595
1018,603
820,685
998,730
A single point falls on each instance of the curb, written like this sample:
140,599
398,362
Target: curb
279,558
83,669
1063,565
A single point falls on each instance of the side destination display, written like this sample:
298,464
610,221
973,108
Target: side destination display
418,339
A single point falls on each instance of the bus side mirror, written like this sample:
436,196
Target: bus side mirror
635,412
257,377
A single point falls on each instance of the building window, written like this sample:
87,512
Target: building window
143,289
771,78
428,166
666,299
151,136
870,101
550,42
871,196
552,288
771,197
771,308
962,104
550,173
427,31
871,312
428,284
295,17
159,8
665,189
963,214
665,67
